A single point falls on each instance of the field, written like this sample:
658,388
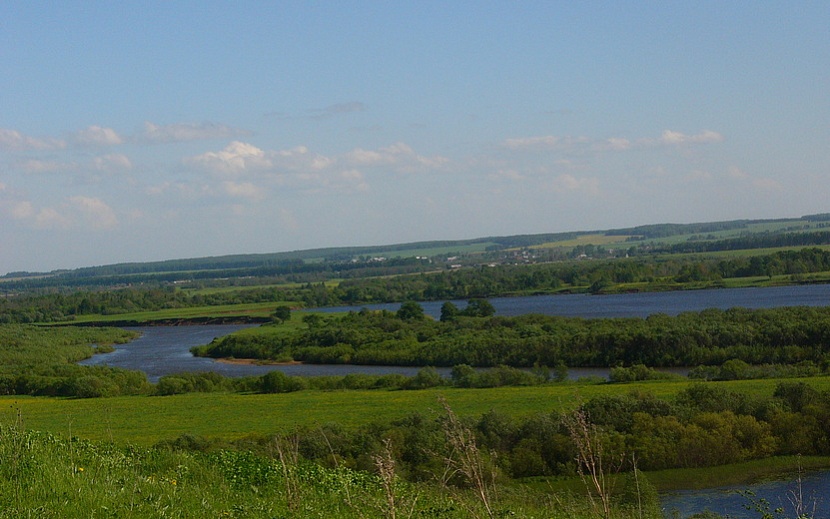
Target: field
148,420
229,312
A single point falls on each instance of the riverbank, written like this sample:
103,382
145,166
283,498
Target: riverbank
745,473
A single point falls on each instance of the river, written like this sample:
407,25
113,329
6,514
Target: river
637,304
166,350
732,501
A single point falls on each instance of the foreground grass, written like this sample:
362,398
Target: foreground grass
143,420
45,476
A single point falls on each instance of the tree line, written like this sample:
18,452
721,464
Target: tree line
396,282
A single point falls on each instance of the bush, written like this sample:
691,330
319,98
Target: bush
278,382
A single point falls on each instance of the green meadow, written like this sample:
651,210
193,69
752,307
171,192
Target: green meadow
147,420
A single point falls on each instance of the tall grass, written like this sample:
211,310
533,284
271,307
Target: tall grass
44,476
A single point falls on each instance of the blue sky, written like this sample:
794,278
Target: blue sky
143,131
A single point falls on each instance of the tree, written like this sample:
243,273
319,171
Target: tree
281,313
448,312
479,308
410,311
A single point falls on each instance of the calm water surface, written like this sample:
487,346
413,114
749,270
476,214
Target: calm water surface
640,304
815,492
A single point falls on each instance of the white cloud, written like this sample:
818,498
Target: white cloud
763,184
35,166
50,218
618,143
21,210
187,132
569,183
672,137
300,168
242,190
554,142
399,155
75,211
94,212
543,142
97,136
236,159
13,140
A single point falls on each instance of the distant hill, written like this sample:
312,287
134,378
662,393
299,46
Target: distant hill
407,257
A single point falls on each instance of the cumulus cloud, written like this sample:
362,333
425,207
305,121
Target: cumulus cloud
187,132
301,168
97,136
13,140
400,155
235,159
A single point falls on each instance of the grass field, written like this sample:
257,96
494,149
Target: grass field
586,239
147,420
257,310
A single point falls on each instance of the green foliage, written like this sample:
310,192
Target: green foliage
41,361
638,372
282,313
279,382
733,338
409,311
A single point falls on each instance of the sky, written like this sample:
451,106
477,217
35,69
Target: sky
142,130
